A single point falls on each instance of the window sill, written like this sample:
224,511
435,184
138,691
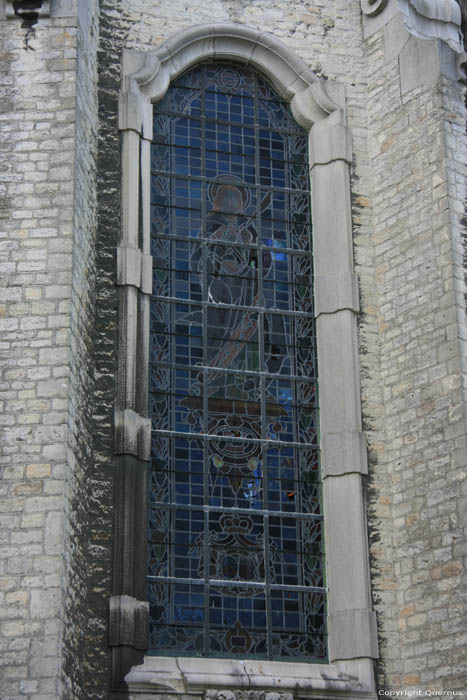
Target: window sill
194,675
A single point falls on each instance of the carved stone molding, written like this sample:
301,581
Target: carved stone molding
344,453
462,68
146,76
245,695
373,7
132,434
233,679
434,19
128,635
318,106
425,19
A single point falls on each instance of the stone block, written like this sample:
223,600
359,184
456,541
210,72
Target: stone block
335,292
462,510
343,453
54,532
45,603
395,37
27,687
353,635
128,623
329,143
38,471
132,434
419,63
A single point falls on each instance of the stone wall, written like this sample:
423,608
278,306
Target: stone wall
60,223
327,37
79,553
406,199
416,145
38,64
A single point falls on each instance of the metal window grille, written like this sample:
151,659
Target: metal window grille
235,537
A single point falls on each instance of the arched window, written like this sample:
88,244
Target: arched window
217,323
235,538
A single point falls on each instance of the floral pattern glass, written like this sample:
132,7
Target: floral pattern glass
235,536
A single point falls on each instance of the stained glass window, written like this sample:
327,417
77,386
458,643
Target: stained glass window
235,535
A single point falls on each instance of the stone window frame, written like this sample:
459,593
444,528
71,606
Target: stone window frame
319,107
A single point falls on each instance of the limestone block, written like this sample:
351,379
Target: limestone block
132,434
346,544
128,622
134,268
128,266
419,63
395,37
462,510
339,396
45,603
353,635
342,453
335,292
329,143
54,532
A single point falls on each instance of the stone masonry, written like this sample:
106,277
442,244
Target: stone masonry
416,145
38,64
60,198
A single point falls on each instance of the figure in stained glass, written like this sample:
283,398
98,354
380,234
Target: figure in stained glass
235,528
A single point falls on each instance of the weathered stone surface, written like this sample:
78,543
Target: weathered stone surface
128,622
60,188
38,64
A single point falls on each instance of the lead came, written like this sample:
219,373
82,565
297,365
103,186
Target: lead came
235,554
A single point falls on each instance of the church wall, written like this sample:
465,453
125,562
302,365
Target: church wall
454,102
416,148
80,551
327,37
59,320
38,63
408,332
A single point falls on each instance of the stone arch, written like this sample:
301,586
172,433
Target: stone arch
311,99
318,106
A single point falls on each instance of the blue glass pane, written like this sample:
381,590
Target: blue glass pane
276,115
234,485
230,139
177,268
191,79
228,79
182,101
239,166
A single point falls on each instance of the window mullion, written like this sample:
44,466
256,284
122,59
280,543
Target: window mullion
262,368
204,283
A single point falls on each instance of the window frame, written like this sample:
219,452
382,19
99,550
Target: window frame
320,108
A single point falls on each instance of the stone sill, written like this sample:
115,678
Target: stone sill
168,675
